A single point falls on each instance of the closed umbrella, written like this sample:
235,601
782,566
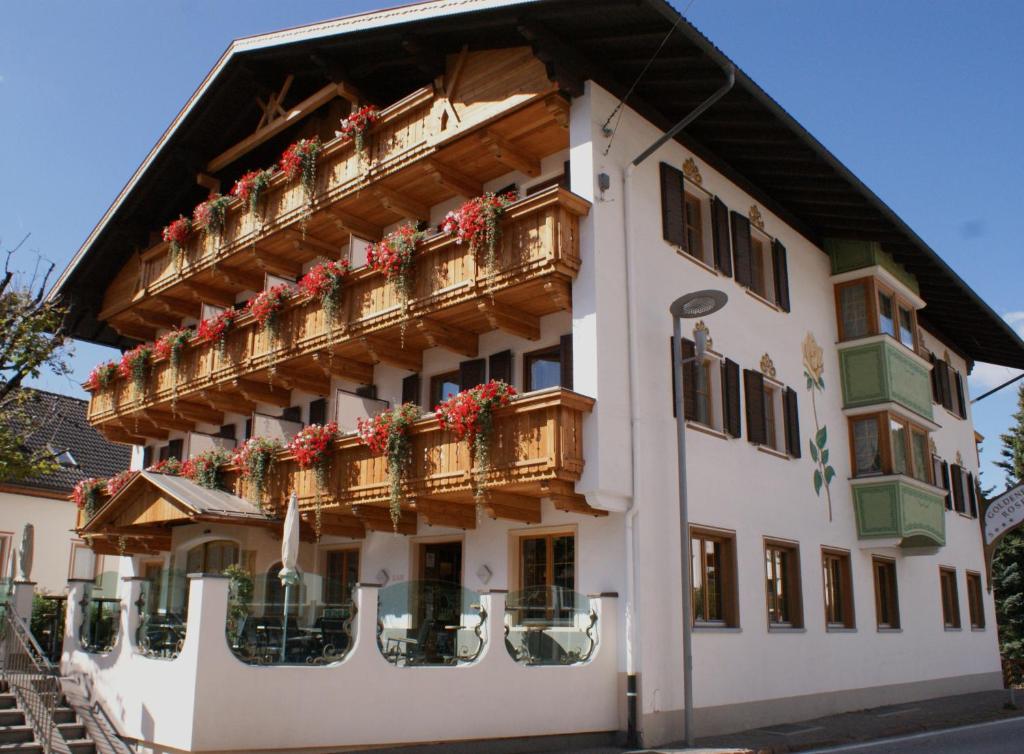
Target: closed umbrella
289,574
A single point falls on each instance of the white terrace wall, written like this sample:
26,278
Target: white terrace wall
746,675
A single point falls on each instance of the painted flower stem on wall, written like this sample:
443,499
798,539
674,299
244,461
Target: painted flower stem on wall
814,368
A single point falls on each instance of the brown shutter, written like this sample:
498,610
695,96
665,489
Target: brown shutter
500,366
318,411
956,474
936,393
961,404
720,236
292,414
741,248
176,449
972,495
673,226
731,397
781,270
946,485
565,346
147,456
472,373
411,389
367,391
753,388
943,383
689,378
792,423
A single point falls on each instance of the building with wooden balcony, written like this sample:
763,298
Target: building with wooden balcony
832,457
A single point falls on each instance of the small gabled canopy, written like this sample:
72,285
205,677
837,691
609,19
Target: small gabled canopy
152,502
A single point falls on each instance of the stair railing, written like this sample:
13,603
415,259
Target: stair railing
32,678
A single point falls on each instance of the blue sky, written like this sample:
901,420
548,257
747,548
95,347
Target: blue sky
921,99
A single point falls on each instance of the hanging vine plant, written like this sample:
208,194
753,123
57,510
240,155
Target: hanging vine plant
325,281
135,366
266,307
86,494
101,376
478,222
204,469
389,434
176,234
355,125
256,459
299,161
393,256
469,415
250,187
170,346
215,329
212,216
311,448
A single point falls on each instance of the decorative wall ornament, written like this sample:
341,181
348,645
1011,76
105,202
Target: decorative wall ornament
931,446
755,217
814,368
768,366
701,327
959,459
692,172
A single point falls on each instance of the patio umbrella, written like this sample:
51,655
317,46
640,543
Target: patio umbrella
289,574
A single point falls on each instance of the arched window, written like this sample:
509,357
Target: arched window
212,557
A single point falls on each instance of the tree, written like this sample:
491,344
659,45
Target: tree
31,340
1008,560
1013,446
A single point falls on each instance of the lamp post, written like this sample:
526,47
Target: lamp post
690,306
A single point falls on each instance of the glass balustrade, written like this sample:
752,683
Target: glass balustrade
422,623
549,625
162,608
101,614
297,628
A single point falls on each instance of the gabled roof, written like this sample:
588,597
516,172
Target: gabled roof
56,423
746,135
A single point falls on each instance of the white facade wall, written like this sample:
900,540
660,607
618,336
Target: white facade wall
54,523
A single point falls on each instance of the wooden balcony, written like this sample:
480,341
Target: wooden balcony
428,147
455,300
537,452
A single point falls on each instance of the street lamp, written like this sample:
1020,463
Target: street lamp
690,306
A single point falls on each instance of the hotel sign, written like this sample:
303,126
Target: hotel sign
1001,515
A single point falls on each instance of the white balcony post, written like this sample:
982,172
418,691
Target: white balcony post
24,591
207,615
366,620
494,631
130,595
73,619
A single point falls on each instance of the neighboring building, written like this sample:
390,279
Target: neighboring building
830,443
59,428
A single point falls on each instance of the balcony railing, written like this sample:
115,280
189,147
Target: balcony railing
537,258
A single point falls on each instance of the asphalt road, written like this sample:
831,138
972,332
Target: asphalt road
1001,737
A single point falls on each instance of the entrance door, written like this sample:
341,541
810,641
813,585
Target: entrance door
439,611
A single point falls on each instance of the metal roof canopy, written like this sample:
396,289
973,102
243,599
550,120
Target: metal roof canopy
747,136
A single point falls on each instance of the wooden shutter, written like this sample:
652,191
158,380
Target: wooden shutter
753,388
499,366
720,236
936,393
472,373
673,225
367,391
781,271
147,456
226,431
565,346
741,248
731,397
957,474
689,378
972,494
411,389
318,411
943,384
792,422
248,428
176,449
945,483
961,404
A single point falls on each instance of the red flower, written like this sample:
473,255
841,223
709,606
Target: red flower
393,254
86,492
171,343
265,305
310,445
170,466
324,279
177,232
216,328
100,376
251,185
298,156
467,413
358,122
118,481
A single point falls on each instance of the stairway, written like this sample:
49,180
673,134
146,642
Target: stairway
16,734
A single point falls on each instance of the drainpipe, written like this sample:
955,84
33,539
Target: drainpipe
633,368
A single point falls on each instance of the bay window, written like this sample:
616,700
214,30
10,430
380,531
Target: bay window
868,307
886,443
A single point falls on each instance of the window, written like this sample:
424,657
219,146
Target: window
773,419
713,565
547,576
965,495
83,562
761,269
341,576
542,369
838,581
854,315
759,261
770,427
887,606
702,394
694,221
886,317
890,315
711,391
907,326
212,557
940,473
950,598
902,449
867,453
948,387
443,386
782,584
975,606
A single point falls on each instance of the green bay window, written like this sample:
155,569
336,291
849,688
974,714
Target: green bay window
867,307
901,449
